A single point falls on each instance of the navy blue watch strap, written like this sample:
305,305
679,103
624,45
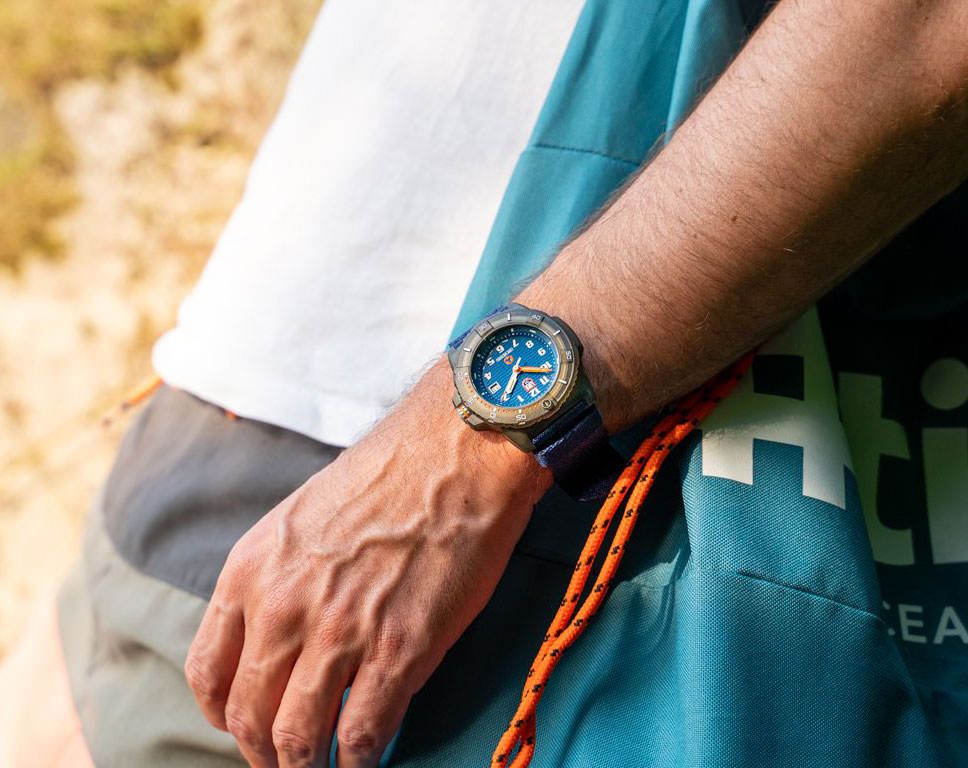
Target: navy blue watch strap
576,450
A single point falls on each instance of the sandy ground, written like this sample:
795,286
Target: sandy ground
159,169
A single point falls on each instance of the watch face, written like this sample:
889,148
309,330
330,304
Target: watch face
514,369
514,366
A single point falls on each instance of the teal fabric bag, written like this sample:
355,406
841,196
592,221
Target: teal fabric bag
748,627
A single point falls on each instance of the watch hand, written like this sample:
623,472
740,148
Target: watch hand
512,381
535,369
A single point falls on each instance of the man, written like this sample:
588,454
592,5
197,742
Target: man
837,125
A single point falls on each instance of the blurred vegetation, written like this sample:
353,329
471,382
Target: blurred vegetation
44,43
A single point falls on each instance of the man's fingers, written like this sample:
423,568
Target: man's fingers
213,657
263,672
303,729
374,709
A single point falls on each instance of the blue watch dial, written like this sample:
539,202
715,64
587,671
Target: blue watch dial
514,366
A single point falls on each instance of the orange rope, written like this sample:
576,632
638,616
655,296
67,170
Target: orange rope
132,398
141,392
632,486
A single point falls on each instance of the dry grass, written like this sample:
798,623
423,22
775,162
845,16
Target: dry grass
43,45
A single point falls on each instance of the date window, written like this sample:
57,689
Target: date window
494,387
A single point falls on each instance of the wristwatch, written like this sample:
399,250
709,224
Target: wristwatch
518,372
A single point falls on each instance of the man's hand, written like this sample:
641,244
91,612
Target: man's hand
363,577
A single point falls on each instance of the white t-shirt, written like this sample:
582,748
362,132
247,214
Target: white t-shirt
342,270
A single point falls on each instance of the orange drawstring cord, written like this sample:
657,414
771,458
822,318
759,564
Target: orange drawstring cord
633,485
133,397
141,392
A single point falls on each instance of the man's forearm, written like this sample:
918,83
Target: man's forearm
837,125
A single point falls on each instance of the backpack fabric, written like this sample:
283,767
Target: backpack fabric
796,592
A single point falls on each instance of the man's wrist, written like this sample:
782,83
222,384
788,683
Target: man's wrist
601,360
488,455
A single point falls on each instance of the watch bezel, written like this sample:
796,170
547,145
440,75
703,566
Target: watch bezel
569,365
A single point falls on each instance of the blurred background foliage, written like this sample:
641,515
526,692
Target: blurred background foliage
126,131
44,44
